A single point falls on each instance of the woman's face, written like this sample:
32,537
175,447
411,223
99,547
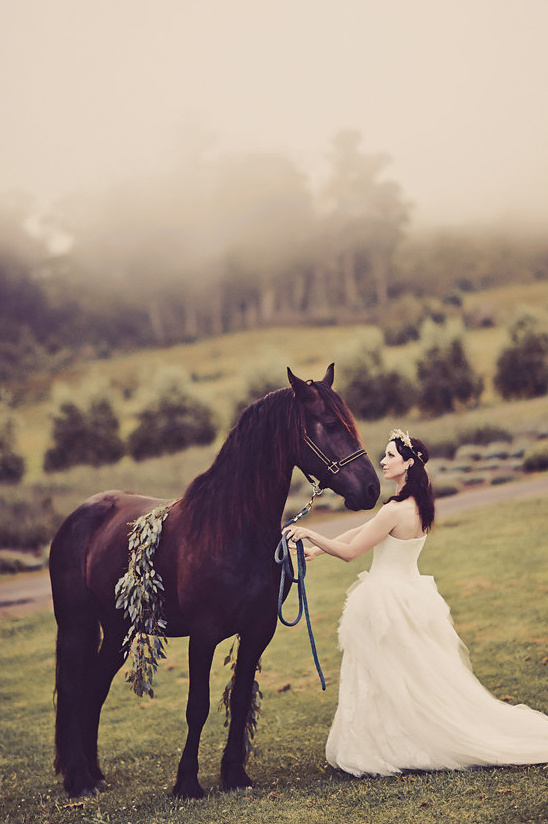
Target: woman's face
393,465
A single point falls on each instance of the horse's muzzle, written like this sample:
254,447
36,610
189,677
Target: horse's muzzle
364,499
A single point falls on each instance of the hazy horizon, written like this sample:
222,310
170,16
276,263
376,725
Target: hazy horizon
455,91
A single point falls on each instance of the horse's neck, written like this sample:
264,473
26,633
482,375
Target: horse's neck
257,461
265,492
242,493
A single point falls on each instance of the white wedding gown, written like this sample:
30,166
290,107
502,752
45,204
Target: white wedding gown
408,698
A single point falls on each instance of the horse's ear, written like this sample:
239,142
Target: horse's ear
329,375
301,388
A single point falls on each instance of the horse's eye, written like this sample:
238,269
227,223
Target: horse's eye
331,425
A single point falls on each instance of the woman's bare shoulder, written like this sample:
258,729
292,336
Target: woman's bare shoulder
407,520
401,507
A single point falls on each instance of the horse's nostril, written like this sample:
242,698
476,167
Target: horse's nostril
374,490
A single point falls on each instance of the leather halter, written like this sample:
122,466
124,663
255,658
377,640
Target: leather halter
333,466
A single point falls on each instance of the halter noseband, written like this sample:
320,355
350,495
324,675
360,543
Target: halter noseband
333,466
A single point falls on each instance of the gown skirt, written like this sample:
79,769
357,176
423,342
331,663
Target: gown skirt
408,699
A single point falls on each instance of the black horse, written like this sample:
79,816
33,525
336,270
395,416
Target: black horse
216,558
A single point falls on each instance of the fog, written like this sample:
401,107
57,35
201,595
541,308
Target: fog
455,91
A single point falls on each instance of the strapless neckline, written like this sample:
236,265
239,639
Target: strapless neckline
406,540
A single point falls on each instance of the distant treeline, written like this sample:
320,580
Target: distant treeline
221,244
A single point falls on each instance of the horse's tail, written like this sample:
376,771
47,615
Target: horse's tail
76,653
78,642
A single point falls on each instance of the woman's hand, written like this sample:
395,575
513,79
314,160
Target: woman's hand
311,552
299,533
296,533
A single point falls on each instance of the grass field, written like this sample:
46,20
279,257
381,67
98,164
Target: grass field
489,564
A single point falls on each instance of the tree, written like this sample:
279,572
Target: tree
365,220
259,384
12,465
25,315
446,379
82,437
371,392
261,216
171,423
522,368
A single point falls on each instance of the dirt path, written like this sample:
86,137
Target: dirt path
535,487
30,591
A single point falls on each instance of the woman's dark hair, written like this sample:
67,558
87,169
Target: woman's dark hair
417,483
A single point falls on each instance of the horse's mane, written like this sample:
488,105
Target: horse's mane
239,484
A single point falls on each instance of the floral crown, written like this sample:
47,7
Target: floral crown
400,435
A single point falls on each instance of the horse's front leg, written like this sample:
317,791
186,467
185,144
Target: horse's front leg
200,656
252,646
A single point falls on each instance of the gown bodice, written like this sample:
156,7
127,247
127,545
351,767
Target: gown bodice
397,557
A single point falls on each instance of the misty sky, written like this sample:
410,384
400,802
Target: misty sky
456,91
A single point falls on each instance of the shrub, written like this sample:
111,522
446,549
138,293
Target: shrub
536,459
446,379
452,299
258,386
173,422
497,451
438,317
371,397
483,435
12,465
443,449
522,368
27,521
12,561
499,480
402,333
372,393
465,284
444,489
84,437
470,452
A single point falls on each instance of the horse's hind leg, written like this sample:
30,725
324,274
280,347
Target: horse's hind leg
200,656
107,664
77,649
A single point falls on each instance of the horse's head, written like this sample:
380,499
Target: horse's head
330,449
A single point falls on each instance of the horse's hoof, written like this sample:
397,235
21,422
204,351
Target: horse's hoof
188,789
92,787
88,792
236,779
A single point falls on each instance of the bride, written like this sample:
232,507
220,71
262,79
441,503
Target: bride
408,698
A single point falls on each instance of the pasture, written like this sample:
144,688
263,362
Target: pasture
489,564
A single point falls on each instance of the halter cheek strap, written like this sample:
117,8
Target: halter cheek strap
333,466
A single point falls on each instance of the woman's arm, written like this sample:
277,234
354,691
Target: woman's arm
313,551
352,543
346,537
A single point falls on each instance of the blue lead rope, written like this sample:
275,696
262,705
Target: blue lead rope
282,557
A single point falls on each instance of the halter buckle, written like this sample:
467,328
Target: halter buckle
333,467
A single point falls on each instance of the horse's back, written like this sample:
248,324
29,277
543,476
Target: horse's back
93,536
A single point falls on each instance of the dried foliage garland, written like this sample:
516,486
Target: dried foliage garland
139,594
255,706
